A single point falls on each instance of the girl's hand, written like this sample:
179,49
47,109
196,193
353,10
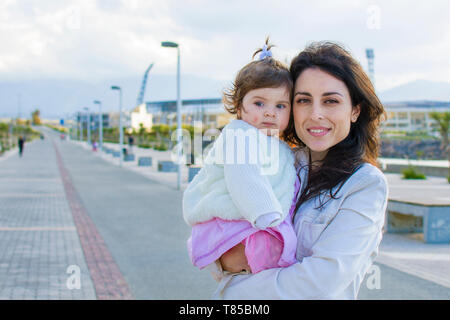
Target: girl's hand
234,260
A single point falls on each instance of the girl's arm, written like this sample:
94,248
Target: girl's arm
252,194
343,252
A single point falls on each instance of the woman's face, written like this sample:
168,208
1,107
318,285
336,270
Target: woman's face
322,111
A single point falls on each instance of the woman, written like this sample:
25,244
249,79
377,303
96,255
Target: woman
340,210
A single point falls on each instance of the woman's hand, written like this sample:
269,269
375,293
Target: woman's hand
234,260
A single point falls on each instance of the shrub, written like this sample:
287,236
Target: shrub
412,173
160,147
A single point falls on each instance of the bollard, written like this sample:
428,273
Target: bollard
145,162
193,170
167,166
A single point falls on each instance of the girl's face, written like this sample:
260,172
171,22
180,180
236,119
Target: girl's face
267,109
322,111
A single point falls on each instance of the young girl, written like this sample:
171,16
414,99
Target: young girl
239,204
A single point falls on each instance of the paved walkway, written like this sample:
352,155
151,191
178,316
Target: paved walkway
64,208
431,191
140,222
38,237
405,254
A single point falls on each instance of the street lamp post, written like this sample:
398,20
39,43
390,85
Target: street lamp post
168,44
80,127
100,124
88,125
120,123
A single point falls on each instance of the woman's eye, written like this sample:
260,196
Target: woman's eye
331,101
302,100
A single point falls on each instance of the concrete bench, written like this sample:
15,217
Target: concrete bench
116,154
193,170
167,166
128,157
432,220
145,162
421,206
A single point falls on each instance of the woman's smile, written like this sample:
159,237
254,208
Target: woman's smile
318,131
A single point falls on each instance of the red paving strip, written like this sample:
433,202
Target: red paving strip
109,282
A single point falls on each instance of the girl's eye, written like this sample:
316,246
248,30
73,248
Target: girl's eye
281,106
259,104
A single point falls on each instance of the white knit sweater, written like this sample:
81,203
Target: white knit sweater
246,174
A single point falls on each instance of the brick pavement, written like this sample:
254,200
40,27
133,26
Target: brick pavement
106,276
49,247
38,238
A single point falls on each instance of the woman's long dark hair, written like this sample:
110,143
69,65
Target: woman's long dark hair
362,143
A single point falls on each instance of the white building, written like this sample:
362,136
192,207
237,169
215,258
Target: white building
139,116
210,112
411,116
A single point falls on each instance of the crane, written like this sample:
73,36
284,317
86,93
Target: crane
140,98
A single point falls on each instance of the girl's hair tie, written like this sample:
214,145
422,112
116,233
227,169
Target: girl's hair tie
265,53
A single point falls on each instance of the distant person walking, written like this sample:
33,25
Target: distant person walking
130,143
21,143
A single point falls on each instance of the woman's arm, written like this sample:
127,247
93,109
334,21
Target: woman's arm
344,250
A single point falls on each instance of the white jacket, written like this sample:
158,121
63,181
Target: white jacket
246,174
336,245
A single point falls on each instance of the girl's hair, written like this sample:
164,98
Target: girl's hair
262,73
362,143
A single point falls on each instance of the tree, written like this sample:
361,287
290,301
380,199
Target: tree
35,116
443,121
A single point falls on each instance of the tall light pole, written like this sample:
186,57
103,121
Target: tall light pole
120,123
168,44
370,57
100,124
80,127
88,125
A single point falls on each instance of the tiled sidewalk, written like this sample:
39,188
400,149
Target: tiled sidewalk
39,243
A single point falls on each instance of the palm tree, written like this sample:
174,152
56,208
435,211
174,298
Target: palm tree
443,121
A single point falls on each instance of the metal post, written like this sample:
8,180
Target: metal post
120,123
179,136
120,127
88,126
80,127
169,44
100,124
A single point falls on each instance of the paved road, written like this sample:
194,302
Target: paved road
114,223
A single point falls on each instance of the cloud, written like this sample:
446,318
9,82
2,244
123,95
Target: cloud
96,40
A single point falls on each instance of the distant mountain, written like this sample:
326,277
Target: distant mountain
417,90
57,98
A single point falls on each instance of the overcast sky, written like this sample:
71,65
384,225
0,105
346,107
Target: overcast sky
94,40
